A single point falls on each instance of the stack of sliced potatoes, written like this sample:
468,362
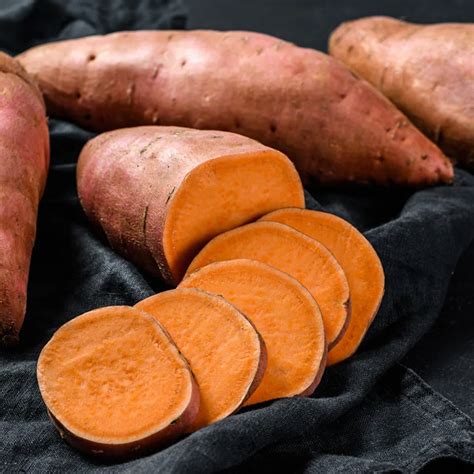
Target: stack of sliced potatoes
261,311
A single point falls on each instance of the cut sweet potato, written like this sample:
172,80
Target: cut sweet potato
24,162
225,352
337,128
284,313
160,193
115,384
294,253
360,262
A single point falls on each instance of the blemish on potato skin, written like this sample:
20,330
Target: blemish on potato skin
156,71
91,57
170,194
354,75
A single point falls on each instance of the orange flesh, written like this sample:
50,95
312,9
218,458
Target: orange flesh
113,376
222,194
291,252
284,313
360,262
221,345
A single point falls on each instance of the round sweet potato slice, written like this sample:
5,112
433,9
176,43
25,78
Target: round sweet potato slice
225,352
115,385
284,313
360,262
286,249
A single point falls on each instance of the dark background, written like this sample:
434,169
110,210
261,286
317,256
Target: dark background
445,356
370,414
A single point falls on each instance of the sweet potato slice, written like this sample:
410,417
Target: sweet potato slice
359,260
284,313
114,383
225,352
294,253
160,193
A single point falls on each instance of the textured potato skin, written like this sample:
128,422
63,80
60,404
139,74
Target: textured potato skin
24,161
145,166
426,70
335,127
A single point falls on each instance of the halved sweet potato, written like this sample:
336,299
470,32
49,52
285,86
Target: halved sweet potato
294,253
115,384
225,352
161,193
284,313
360,262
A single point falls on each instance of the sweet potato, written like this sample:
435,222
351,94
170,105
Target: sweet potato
115,385
294,253
24,161
225,352
359,261
160,193
335,127
284,313
426,70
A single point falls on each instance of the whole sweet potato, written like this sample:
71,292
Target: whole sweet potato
426,70
24,161
335,127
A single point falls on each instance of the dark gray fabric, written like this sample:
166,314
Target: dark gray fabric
370,414
26,23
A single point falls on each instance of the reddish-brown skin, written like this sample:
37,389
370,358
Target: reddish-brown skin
426,70
24,161
128,450
310,390
262,366
126,180
335,127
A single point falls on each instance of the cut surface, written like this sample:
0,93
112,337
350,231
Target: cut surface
112,377
284,313
222,347
222,194
294,253
360,262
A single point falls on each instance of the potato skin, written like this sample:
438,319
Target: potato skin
335,127
426,70
24,162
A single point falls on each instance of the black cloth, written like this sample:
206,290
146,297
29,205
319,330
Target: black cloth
370,413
